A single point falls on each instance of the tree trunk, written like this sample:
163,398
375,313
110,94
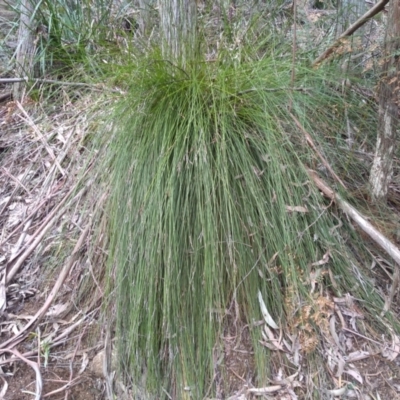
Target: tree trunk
26,47
178,29
389,102
143,19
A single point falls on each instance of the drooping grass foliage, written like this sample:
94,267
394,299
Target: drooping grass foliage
70,34
210,202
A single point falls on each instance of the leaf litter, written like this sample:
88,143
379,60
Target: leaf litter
44,231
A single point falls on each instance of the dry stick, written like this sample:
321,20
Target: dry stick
60,159
358,24
10,200
107,362
368,228
65,271
73,358
22,223
30,216
69,385
39,382
41,137
314,147
51,81
14,264
21,239
360,220
54,82
293,89
16,180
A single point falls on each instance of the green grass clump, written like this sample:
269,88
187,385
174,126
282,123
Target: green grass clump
206,169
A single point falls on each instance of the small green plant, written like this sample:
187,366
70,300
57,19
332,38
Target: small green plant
45,350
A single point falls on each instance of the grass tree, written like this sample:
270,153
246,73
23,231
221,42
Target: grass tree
389,98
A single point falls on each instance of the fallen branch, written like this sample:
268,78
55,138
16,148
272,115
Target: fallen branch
314,147
360,220
358,24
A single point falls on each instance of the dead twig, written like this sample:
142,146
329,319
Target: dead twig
41,137
39,381
22,223
69,385
15,263
17,181
358,24
314,147
292,89
360,220
54,82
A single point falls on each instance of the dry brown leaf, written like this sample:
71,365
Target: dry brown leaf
270,340
267,317
355,374
357,355
85,363
332,323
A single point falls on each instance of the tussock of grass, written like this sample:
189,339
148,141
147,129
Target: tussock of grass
206,169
